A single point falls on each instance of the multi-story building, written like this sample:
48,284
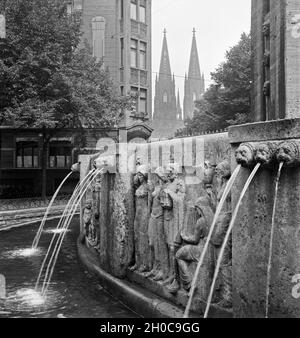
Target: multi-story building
119,33
276,64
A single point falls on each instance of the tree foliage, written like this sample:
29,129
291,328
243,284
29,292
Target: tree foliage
227,100
46,79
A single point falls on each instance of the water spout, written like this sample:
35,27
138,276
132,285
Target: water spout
232,223
75,193
216,217
49,273
272,239
40,230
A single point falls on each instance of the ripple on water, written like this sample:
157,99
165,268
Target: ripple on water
29,301
27,252
56,231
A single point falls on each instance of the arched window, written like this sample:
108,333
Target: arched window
165,97
98,34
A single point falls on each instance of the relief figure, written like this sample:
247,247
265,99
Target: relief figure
157,240
141,221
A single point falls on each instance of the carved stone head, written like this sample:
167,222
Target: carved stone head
209,172
265,152
142,173
288,152
172,171
75,168
223,170
88,205
160,174
245,154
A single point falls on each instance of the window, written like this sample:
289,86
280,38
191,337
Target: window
60,154
165,97
27,153
143,55
135,93
122,52
143,102
133,9
143,11
98,36
133,53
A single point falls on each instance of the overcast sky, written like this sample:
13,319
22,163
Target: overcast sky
219,25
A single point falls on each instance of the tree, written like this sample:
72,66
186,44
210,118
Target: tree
227,100
47,82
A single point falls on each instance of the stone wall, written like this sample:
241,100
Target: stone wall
137,235
252,230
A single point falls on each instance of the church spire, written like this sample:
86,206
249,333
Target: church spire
194,82
194,66
165,66
165,104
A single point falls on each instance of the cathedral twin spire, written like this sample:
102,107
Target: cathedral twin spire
194,86
166,103
165,97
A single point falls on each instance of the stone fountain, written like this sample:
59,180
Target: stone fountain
146,218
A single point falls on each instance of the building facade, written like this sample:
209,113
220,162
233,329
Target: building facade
167,117
275,61
119,33
194,86
22,152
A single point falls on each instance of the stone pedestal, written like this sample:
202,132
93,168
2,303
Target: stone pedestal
251,234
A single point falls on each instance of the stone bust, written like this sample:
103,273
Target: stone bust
245,154
288,152
265,152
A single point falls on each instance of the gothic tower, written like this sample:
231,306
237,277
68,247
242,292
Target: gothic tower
165,118
165,98
194,85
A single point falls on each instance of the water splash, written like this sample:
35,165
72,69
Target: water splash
231,225
272,239
56,231
27,252
206,246
30,297
40,230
